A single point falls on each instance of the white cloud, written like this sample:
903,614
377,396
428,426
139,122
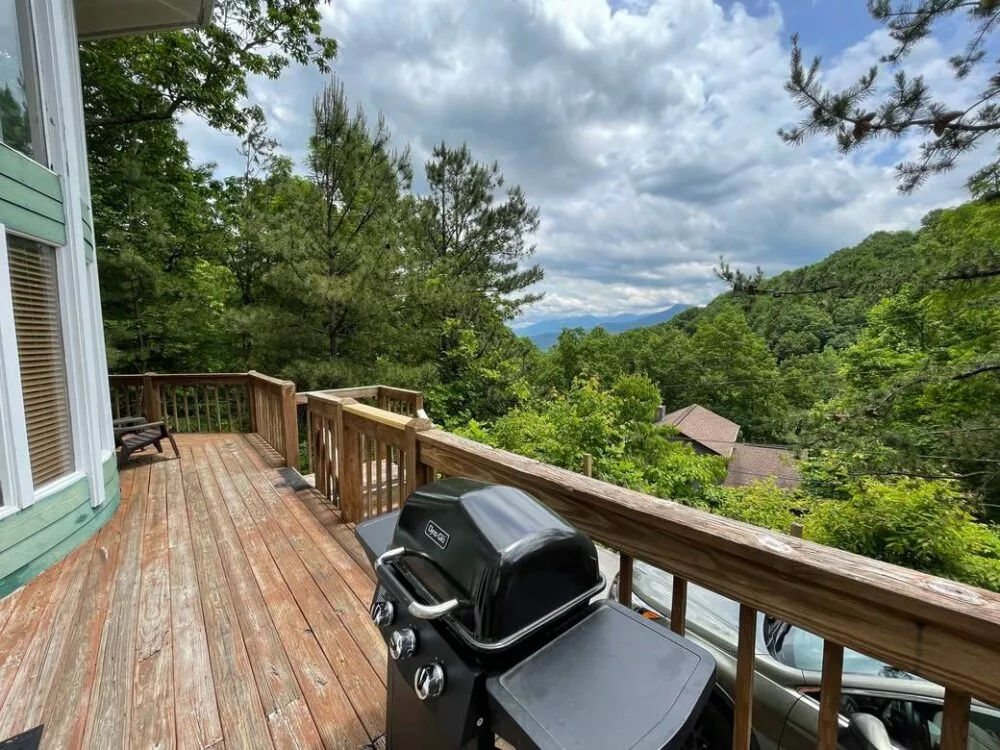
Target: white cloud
646,135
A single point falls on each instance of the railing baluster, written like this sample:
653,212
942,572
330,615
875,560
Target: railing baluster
240,393
317,440
401,483
368,471
829,708
624,579
678,605
743,698
197,406
229,408
218,409
187,414
177,417
380,453
955,721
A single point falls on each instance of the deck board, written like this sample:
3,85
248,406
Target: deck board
215,608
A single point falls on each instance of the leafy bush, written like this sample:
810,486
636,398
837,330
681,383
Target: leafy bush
762,504
915,523
615,427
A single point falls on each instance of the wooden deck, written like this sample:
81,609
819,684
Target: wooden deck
217,608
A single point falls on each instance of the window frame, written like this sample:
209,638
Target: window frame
15,464
29,44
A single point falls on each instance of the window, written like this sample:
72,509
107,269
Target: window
41,359
914,723
20,108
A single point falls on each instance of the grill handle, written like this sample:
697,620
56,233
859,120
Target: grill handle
399,588
434,611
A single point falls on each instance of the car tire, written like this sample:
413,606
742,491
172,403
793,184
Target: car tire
714,728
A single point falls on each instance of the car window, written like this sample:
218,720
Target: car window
803,650
915,724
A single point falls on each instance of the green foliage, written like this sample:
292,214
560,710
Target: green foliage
762,504
907,104
911,522
614,426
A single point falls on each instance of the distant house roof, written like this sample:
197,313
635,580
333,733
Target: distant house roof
753,463
705,427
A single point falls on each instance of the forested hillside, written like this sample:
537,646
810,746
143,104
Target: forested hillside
879,366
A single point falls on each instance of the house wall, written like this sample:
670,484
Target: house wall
51,203
37,537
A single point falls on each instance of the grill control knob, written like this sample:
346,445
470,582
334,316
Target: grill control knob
383,613
402,643
429,681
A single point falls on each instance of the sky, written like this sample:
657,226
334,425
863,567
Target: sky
645,130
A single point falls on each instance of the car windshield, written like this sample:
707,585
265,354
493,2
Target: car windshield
788,644
803,650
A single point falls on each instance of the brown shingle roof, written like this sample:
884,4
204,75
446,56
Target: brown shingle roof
705,427
753,463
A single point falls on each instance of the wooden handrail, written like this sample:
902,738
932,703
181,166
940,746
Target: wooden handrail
382,395
941,630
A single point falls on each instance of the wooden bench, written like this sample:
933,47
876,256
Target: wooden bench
133,434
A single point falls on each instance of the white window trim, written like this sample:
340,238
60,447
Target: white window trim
57,485
15,466
79,300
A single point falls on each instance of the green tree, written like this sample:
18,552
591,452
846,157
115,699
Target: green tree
737,376
464,253
615,427
907,105
153,78
359,178
476,234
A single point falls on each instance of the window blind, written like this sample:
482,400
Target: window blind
35,292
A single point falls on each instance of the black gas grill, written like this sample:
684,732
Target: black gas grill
484,598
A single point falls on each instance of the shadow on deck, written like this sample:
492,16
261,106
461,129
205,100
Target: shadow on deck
222,605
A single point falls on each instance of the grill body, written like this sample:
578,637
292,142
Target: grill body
485,601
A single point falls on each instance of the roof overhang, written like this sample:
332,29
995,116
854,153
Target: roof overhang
100,19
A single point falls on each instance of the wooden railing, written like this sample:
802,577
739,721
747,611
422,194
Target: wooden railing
363,457
397,400
213,402
943,631
273,414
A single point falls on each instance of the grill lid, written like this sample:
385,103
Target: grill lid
508,560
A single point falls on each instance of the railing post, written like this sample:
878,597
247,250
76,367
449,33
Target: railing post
150,398
414,474
829,695
955,720
290,425
349,472
252,401
624,580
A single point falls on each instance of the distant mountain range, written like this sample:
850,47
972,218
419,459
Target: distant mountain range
546,332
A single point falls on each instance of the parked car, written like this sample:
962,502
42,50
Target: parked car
788,677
